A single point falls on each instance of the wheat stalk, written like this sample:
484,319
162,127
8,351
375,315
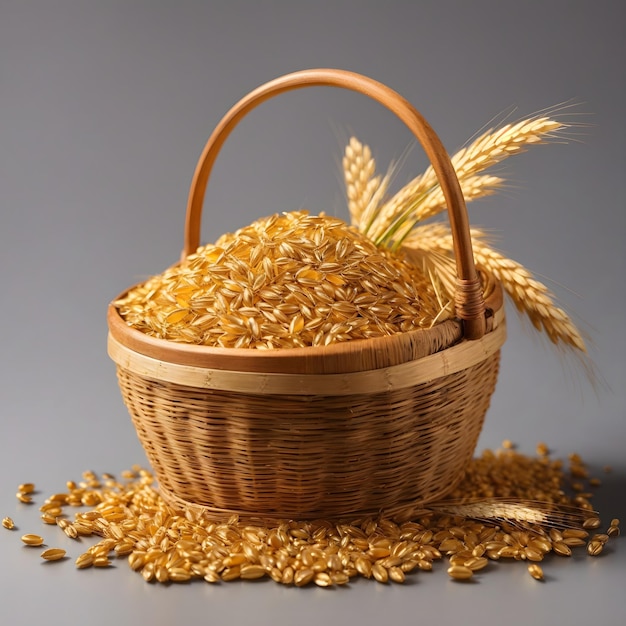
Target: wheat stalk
472,187
487,150
528,294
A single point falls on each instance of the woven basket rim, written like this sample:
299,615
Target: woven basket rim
349,356
450,361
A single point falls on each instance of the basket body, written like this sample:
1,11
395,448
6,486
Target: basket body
301,456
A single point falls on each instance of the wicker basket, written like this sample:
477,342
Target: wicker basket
360,427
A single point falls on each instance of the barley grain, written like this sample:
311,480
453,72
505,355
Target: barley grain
53,554
380,573
32,539
8,523
476,563
252,572
84,560
561,548
303,577
460,572
535,571
323,579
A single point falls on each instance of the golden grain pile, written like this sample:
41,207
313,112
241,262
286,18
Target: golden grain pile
492,516
289,280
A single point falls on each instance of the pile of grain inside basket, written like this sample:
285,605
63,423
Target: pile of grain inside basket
289,280
132,522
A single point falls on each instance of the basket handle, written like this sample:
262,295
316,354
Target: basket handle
470,306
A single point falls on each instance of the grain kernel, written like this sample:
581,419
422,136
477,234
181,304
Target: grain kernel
303,577
252,572
322,579
396,575
591,522
535,571
84,560
476,563
179,575
561,548
53,554
32,540
380,573
573,542
8,523
460,572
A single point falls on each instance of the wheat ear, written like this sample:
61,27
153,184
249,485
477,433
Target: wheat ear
528,294
487,150
359,170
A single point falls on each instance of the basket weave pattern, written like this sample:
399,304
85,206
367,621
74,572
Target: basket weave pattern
277,456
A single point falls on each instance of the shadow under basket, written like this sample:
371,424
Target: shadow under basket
355,428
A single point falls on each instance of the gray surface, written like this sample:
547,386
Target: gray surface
104,109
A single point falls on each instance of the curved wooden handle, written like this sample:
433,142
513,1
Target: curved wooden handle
470,306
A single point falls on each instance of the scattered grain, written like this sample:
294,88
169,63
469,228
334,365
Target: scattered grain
396,575
476,563
32,540
460,572
53,554
303,577
561,548
535,571
594,548
167,545
84,560
8,523
380,573
591,523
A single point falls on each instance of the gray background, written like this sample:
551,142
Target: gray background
104,110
